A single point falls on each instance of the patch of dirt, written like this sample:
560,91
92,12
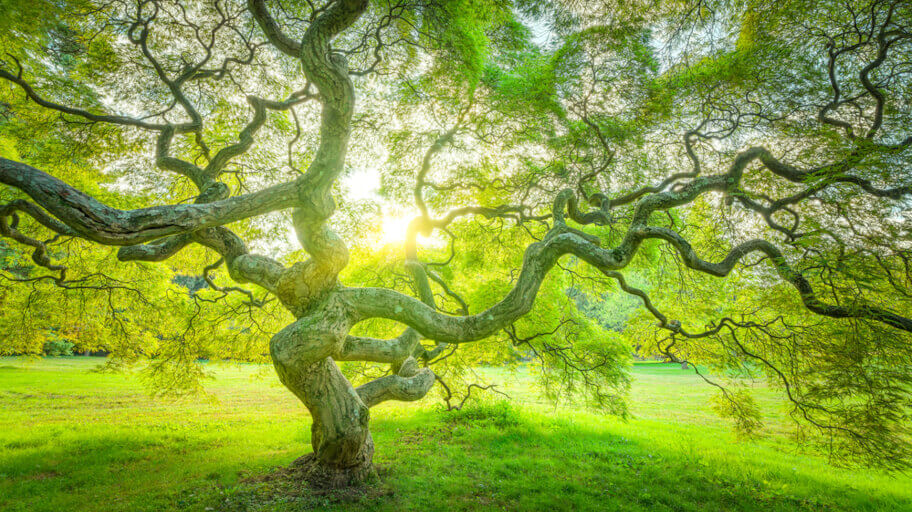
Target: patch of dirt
290,483
44,475
16,394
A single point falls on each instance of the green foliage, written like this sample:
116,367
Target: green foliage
529,82
137,313
57,346
739,406
462,27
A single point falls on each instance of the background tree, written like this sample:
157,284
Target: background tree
681,142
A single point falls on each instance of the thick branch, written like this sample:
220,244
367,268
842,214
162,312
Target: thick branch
159,251
412,383
271,29
393,351
104,224
329,72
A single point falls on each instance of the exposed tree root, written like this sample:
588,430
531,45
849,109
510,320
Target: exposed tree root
304,479
308,469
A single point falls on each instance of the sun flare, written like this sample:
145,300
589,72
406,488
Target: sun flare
394,228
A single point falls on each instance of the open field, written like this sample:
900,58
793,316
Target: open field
73,439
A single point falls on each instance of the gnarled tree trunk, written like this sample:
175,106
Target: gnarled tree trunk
304,357
342,444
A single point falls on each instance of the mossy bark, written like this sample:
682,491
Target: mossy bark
340,436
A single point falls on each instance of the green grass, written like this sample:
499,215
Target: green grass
73,439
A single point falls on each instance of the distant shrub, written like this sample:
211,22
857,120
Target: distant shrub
56,346
501,414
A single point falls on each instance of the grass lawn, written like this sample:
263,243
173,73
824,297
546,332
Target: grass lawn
74,439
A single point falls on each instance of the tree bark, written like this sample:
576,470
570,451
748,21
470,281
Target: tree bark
342,445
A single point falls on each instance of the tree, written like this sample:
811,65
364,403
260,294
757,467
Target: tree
766,142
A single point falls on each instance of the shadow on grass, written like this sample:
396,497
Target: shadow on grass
488,457
494,457
116,470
